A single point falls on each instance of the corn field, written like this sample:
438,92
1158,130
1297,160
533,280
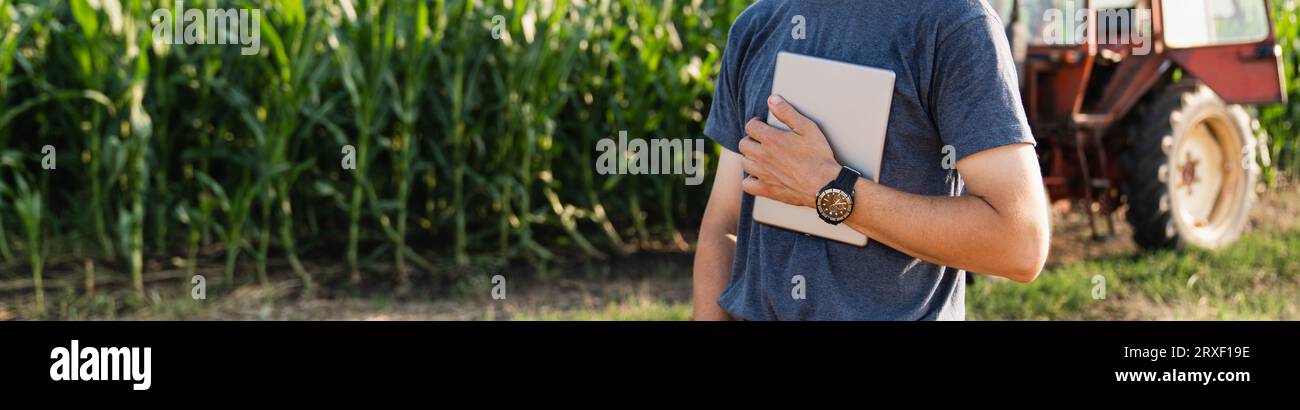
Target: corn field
466,123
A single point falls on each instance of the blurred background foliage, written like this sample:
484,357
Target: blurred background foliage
1282,121
469,148
465,144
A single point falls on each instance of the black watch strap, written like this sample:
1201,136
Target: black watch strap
845,181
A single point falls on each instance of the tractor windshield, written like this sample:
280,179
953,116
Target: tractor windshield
1198,23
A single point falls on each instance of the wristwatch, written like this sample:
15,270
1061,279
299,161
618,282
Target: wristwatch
835,201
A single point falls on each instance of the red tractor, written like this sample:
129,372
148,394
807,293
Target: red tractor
1143,103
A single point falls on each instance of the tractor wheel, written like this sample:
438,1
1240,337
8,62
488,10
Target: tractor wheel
1191,169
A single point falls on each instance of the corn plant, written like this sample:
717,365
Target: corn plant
10,31
414,60
94,53
293,92
546,56
366,45
8,159
140,131
456,114
29,206
195,219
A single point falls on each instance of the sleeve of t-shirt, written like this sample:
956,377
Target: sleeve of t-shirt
976,97
726,122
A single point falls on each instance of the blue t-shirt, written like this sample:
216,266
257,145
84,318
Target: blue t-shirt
956,85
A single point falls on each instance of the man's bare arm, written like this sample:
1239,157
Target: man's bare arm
1000,227
717,243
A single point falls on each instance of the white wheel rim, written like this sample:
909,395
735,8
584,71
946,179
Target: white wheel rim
1203,178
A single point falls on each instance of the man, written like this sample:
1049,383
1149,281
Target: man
955,88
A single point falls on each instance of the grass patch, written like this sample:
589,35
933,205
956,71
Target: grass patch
1257,278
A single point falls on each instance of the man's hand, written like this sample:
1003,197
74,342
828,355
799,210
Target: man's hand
788,166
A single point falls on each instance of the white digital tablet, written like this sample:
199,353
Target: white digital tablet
850,103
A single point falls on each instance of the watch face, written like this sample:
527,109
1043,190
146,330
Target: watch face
834,204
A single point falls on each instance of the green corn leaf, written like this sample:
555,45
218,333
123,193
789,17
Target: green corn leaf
86,17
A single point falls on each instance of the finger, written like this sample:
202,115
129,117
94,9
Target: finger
753,186
788,115
753,168
750,148
760,131
751,127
